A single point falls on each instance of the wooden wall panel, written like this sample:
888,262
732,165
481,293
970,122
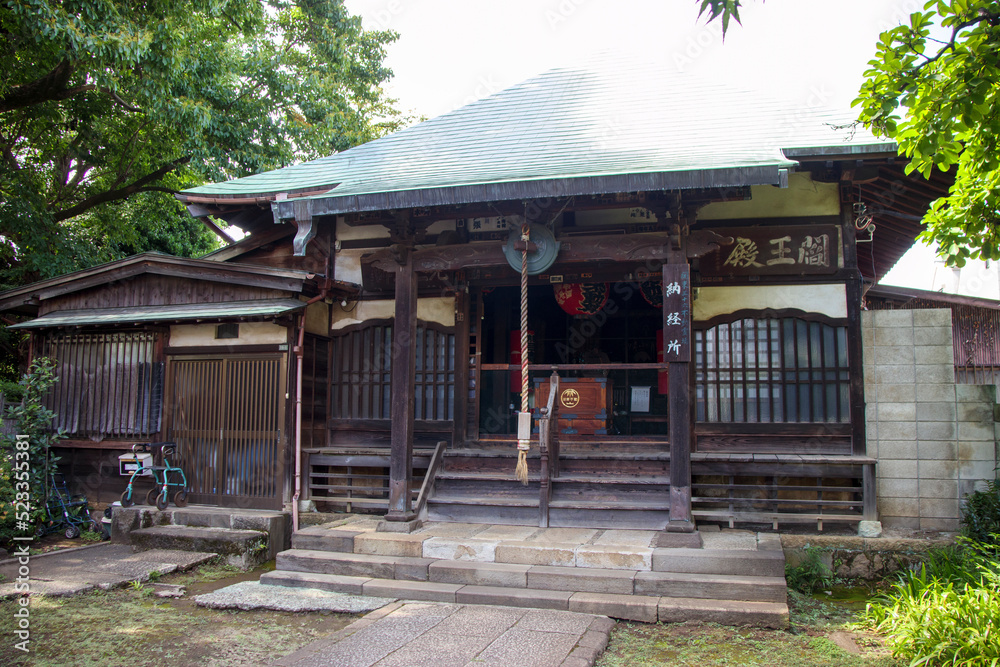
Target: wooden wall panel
156,290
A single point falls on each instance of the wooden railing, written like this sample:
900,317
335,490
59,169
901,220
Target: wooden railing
428,484
548,447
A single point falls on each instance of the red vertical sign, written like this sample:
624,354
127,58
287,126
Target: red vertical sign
676,313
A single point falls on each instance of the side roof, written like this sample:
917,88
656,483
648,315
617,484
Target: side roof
25,300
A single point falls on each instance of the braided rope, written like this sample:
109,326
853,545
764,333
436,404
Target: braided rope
521,472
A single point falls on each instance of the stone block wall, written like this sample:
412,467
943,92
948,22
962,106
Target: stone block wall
935,441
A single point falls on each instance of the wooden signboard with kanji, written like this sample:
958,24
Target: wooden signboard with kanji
676,313
776,250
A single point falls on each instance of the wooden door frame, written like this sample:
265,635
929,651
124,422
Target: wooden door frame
220,498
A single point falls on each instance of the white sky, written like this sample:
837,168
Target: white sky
452,52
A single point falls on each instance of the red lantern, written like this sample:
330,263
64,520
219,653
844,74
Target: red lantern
652,292
581,298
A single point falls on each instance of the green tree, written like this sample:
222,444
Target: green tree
108,107
939,99
934,88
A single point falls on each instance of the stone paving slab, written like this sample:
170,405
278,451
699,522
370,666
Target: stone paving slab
563,535
730,539
614,558
454,530
468,549
460,635
254,595
507,533
626,538
485,574
390,544
103,566
528,553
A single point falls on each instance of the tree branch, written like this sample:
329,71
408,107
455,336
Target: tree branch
52,86
120,193
116,98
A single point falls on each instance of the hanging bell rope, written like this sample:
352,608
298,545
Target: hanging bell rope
524,418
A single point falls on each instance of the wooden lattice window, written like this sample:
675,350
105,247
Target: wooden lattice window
109,383
772,370
362,373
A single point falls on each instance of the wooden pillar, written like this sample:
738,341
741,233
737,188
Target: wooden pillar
855,292
461,366
677,352
404,333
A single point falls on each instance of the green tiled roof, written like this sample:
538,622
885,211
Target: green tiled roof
177,313
611,126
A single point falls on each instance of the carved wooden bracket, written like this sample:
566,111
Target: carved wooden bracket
306,233
703,241
305,226
399,253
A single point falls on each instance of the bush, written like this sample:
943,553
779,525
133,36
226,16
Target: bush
810,575
13,392
22,479
945,612
981,514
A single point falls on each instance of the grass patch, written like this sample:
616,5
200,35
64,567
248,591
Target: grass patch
129,627
821,634
710,645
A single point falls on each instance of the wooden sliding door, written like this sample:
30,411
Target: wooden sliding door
227,416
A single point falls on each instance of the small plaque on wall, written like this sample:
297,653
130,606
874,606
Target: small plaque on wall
640,399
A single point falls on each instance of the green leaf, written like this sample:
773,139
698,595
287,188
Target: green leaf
204,90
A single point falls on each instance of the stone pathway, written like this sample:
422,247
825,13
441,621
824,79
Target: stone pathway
104,566
412,634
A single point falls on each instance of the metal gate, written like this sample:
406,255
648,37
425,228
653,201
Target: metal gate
227,416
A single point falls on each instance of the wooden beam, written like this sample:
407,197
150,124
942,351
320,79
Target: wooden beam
626,248
226,238
404,333
252,242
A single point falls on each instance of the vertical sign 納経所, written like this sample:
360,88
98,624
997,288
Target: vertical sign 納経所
676,313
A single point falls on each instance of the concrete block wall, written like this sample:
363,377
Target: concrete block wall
935,441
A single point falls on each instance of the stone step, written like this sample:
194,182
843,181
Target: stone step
769,561
354,565
720,561
649,609
277,525
540,577
241,548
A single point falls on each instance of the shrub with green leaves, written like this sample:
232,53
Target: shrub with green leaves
31,419
811,574
945,612
981,514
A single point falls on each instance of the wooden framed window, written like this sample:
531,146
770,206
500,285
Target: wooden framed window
777,370
362,372
110,384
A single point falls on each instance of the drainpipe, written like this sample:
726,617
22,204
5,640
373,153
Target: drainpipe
299,351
